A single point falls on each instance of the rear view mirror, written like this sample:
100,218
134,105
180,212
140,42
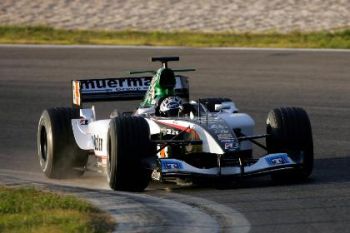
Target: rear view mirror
219,107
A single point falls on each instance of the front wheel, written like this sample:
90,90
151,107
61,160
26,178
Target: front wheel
129,146
290,132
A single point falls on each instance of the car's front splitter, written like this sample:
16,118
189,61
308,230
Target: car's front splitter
265,165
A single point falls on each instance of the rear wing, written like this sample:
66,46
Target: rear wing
114,89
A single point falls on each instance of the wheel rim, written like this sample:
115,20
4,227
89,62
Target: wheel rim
43,146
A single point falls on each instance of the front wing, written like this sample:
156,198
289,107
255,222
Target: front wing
265,165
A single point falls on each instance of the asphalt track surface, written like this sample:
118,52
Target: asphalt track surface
35,78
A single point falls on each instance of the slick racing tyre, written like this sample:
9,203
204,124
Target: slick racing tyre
290,132
128,146
59,155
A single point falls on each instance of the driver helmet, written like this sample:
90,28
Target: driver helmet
170,106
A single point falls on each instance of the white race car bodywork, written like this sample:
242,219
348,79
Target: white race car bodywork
91,134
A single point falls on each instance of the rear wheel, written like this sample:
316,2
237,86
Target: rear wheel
58,153
129,146
290,132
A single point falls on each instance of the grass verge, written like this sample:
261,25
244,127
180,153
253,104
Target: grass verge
30,210
48,35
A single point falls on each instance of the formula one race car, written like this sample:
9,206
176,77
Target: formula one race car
168,136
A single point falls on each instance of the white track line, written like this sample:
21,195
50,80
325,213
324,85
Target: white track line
47,46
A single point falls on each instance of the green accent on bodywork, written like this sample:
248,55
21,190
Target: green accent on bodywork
162,85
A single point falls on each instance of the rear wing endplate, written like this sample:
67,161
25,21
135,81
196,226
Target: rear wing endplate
114,89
